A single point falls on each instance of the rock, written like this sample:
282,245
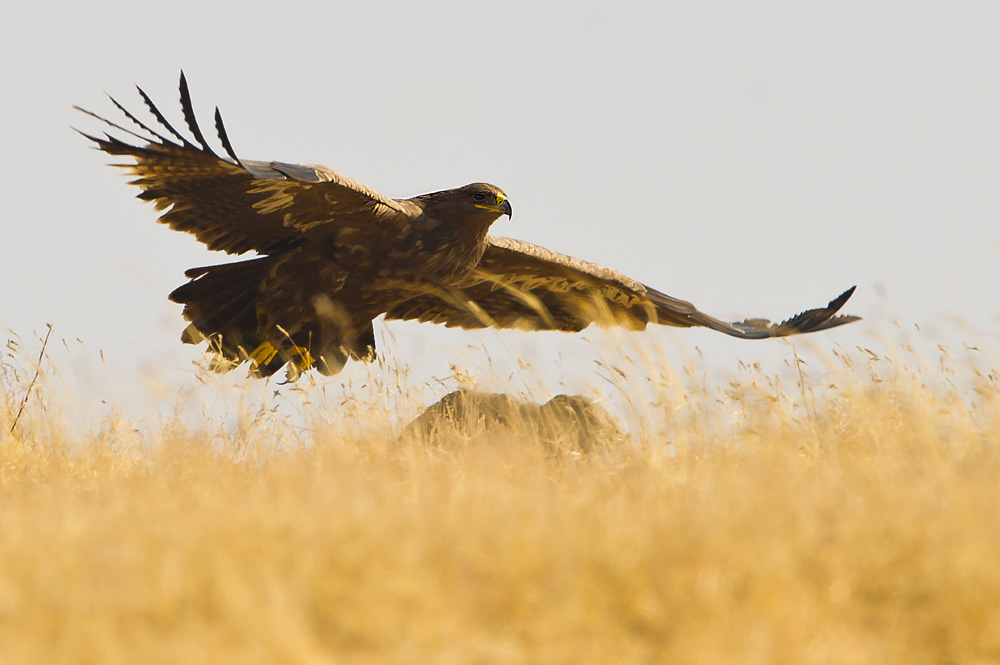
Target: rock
566,422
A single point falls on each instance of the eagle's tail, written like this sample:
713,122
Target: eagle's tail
222,301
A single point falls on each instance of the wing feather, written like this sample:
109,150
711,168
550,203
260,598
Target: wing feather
520,285
162,120
240,206
128,114
189,117
220,127
115,126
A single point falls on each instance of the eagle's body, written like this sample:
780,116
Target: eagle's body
335,254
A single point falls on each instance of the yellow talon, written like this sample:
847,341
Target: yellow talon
263,354
304,360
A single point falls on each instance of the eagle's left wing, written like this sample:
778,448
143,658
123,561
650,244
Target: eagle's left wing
520,285
238,205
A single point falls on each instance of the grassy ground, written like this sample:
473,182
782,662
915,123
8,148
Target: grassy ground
847,518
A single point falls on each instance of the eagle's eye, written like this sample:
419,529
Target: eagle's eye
479,196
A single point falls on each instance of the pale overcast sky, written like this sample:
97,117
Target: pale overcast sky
754,158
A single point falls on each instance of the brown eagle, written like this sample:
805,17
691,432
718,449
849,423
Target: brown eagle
333,254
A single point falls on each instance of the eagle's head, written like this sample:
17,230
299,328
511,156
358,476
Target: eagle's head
478,203
487,197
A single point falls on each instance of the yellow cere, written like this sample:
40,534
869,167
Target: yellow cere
495,208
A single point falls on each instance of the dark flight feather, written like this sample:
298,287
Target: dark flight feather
220,127
109,138
189,117
163,121
130,116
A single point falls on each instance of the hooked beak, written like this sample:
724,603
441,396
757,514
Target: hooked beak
505,208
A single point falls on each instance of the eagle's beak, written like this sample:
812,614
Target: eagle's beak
502,206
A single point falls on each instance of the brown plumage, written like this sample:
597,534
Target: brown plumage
335,254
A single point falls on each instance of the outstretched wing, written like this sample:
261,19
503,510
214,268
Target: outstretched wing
238,205
520,285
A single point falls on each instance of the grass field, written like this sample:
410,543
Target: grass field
847,514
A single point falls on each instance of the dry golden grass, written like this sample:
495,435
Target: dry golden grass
849,517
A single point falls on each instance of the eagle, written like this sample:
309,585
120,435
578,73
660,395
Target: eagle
330,255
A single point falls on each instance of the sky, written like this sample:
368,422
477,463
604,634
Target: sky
753,158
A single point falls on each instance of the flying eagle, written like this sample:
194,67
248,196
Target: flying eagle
334,254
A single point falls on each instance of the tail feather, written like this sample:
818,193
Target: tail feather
222,302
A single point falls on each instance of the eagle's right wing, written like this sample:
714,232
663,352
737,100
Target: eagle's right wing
521,285
238,205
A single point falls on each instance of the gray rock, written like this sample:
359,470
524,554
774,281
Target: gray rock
566,422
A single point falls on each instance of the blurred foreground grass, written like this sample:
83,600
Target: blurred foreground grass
848,518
